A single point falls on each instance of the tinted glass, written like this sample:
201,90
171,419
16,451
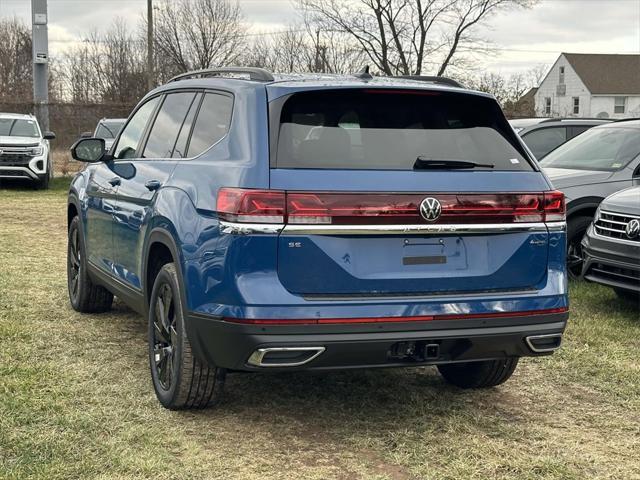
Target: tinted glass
390,129
180,150
166,126
542,141
605,149
108,129
16,127
132,133
212,123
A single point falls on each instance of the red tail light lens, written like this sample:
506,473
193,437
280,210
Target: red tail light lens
554,206
273,206
251,206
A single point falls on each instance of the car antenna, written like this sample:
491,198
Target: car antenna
364,74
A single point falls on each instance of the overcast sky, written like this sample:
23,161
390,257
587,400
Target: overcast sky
525,38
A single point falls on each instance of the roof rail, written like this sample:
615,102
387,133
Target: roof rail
433,79
630,119
571,119
254,73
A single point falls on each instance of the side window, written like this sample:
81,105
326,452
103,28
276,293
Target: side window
166,127
577,130
180,150
544,140
212,123
132,133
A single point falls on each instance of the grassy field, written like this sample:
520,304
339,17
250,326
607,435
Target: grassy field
76,399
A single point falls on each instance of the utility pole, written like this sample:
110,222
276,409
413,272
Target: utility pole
40,41
150,79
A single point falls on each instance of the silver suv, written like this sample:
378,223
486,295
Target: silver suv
588,168
24,150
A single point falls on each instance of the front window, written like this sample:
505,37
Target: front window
387,129
547,105
18,127
576,105
606,149
561,79
109,129
619,105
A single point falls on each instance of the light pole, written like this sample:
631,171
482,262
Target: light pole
40,41
150,79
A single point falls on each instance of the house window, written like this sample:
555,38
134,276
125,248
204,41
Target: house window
561,75
547,105
576,105
619,105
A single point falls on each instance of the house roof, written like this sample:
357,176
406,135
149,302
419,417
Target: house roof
607,74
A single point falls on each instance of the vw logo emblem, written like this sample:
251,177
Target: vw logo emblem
633,229
430,209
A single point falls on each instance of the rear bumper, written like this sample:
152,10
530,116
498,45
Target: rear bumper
612,263
234,346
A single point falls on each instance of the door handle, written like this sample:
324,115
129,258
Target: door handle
153,185
115,181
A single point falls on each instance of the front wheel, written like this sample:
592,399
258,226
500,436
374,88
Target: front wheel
576,228
180,380
483,374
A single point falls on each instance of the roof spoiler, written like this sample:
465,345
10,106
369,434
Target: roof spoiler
433,79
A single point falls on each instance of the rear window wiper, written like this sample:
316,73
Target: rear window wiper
423,163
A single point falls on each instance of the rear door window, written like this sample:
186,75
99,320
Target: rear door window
542,141
212,124
388,129
166,126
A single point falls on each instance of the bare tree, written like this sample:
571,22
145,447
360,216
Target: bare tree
196,34
15,61
407,36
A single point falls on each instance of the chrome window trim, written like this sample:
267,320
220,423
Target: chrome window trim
417,229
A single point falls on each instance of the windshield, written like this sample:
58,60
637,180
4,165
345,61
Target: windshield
18,127
388,129
108,129
606,149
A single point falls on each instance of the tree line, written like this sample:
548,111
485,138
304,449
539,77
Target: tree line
394,37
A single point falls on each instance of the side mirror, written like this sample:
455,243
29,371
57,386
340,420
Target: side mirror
90,150
86,135
49,136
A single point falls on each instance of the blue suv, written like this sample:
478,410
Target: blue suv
281,222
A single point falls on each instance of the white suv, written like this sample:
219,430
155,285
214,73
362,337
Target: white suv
24,150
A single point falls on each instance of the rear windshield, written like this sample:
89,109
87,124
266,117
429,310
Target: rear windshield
389,129
605,148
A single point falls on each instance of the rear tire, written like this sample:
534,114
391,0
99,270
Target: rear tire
576,228
484,374
180,380
85,297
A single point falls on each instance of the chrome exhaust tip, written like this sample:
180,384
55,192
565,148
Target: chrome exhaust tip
284,356
544,343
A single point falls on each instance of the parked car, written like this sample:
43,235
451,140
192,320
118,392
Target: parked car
108,129
601,161
24,150
520,124
612,245
550,133
277,223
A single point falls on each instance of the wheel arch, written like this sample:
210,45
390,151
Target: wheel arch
584,207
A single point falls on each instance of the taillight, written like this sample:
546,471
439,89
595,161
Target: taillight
554,206
321,208
251,206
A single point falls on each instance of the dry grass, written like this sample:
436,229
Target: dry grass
76,399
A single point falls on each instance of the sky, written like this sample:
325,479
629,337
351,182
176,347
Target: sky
523,38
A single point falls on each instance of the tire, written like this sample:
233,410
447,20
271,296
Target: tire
628,296
484,374
42,183
85,297
180,380
576,228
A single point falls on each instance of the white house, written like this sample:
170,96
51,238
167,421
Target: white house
591,85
